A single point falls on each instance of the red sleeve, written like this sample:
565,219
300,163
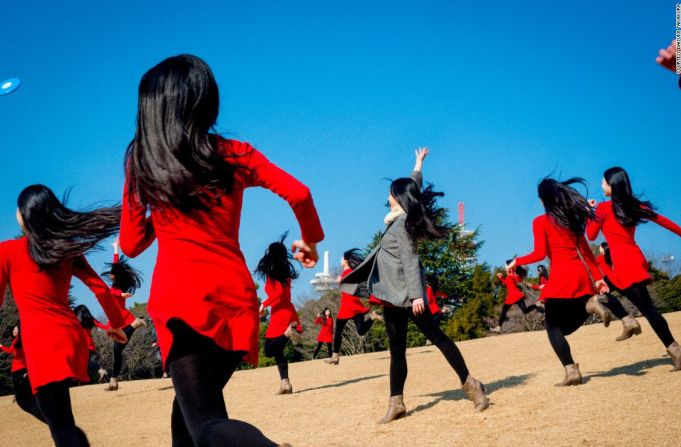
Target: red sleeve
589,258
535,286
4,271
137,230
83,271
9,350
318,321
593,226
267,175
275,292
101,326
539,253
115,258
666,223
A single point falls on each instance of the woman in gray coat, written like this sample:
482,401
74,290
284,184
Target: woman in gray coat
394,274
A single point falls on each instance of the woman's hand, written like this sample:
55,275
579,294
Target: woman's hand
592,203
417,306
602,287
126,295
667,57
117,334
116,245
421,154
305,253
511,266
261,311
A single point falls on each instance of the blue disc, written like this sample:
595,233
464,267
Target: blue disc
9,85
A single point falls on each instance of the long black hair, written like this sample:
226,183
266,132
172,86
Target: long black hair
629,209
324,314
353,257
123,276
564,204
173,161
421,208
84,316
18,343
56,232
276,263
606,253
520,270
543,272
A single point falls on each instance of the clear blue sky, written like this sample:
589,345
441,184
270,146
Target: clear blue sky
340,93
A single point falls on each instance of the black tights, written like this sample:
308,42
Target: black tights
24,394
200,369
396,321
54,402
362,324
329,346
274,347
521,304
563,317
118,351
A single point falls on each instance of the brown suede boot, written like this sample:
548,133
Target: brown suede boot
674,351
113,385
285,387
594,306
630,327
333,360
475,392
572,376
396,410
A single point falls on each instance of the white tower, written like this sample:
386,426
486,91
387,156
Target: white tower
323,282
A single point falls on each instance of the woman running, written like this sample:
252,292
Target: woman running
39,266
618,219
325,321
88,322
394,275
277,271
514,295
351,307
203,300
569,293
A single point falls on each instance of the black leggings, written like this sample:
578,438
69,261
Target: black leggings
361,324
24,394
274,347
521,304
118,351
54,402
396,320
613,303
93,364
200,369
329,346
563,317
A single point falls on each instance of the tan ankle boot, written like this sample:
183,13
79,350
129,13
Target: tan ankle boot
113,385
630,327
572,376
594,306
475,392
285,387
334,359
396,410
674,351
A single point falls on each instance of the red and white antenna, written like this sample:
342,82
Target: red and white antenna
462,215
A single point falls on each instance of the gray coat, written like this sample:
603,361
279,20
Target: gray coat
393,271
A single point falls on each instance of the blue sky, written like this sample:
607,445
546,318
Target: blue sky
340,93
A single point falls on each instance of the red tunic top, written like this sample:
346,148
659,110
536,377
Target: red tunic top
201,276
605,268
629,265
514,294
432,300
542,282
52,337
88,335
18,358
350,305
569,274
283,313
326,330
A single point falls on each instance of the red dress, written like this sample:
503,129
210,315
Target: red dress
432,300
569,274
629,265
514,294
51,335
326,330
201,276
283,313
18,358
350,305
605,268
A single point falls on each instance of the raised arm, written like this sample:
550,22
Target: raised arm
593,226
539,253
417,174
667,223
137,230
85,273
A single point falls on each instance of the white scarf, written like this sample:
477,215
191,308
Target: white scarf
393,215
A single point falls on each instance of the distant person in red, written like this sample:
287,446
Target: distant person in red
88,322
569,295
543,276
617,219
433,293
277,271
23,393
325,321
125,280
667,58
351,307
514,295
39,267
185,186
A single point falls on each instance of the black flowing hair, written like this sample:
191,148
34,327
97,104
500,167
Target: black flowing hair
125,277
434,282
564,204
543,272
629,209
173,161
520,270
56,232
606,253
84,316
324,313
353,257
276,263
421,208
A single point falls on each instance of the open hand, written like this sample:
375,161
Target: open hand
667,57
602,287
417,306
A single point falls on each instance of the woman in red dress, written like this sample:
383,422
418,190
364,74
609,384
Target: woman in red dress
88,322
569,293
617,219
514,295
277,271
203,300
433,293
325,321
39,267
